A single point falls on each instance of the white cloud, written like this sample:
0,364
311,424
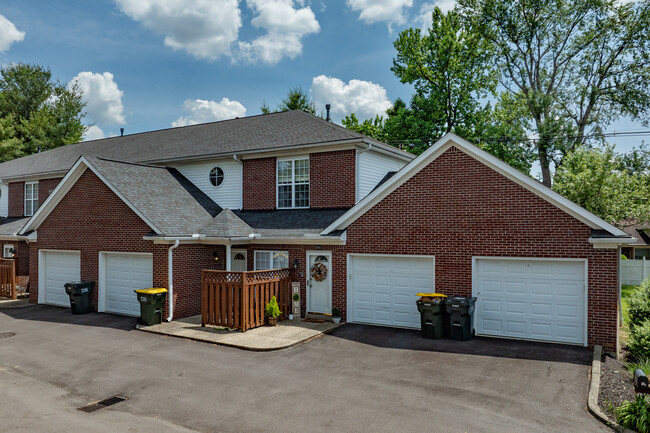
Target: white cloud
372,11
202,111
102,96
9,34
364,98
203,28
285,27
423,20
93,132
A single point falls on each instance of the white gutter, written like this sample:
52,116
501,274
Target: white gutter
170,279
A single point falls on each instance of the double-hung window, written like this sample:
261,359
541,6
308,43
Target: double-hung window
31,198
293,183
271,260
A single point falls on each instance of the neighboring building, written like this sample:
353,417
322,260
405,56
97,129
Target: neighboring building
290,189
640,249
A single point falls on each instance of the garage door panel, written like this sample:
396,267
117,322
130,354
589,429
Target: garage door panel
124,273
539,299
59,267
384,289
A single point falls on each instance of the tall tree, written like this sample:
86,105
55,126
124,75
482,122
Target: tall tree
296,99
577,65
36,112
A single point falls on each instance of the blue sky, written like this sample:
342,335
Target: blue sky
153,64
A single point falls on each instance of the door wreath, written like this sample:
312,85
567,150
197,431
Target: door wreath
318,271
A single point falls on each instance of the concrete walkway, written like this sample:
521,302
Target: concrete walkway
13,303
287,333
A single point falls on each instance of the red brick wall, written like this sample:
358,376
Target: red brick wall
44,188
16,199
259,184
332,179
457,208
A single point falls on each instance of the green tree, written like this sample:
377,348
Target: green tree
36,112
599,180
296,99
577,65
373,128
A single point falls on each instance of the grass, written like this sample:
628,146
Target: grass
643,365
626,291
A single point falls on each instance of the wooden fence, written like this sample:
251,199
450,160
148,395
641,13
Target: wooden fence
7,278
237,299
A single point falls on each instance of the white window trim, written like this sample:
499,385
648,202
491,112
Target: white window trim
31,199
293,182
217,185
6,251
272,252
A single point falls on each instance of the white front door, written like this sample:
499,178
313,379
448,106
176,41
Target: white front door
238,261
537,299
122,274
319,282
385,288
55,269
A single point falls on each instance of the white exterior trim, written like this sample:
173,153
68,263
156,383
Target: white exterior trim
496,164
308,275
65,185
530,259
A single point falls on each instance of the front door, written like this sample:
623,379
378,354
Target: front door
238,262
319,282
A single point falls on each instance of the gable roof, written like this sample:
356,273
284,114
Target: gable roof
276,131
226,225
491,161
141,187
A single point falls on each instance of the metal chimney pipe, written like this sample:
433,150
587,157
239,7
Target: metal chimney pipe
327,107
121,132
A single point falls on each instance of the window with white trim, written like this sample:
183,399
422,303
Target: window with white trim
293,183
271,260
8,251
31,198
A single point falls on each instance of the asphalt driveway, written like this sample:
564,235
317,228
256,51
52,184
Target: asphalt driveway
357,379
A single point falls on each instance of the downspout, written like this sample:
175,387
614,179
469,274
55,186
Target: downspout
228,258
170,279
356,179
241,190
620,284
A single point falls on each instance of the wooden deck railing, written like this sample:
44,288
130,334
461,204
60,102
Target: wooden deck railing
8,278
237,299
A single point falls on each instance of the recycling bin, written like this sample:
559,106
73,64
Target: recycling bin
151,305
79,293
432,314
460,310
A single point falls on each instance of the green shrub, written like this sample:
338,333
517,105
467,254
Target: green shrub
634,414
638,345
639,304
272,309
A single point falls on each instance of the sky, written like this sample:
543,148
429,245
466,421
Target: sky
153,64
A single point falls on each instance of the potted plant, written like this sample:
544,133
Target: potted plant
272,312
336,315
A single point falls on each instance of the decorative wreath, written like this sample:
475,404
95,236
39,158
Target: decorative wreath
318,271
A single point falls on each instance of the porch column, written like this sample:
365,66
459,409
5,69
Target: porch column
228,258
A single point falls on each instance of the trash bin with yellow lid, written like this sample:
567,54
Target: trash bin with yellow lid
432,314
151,305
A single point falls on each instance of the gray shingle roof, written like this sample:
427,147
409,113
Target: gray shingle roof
263,132
226,225
156,194
11,226
290,219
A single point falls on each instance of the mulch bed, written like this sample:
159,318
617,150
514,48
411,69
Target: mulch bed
616,385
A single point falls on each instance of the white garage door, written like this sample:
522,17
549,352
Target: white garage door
531,299
123,274
384,289
56,268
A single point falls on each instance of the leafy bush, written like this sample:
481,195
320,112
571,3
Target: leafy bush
639,304
638,344
272,309
634,414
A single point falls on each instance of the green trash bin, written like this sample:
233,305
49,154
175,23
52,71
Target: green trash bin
151,305
461,317
432,314
79,293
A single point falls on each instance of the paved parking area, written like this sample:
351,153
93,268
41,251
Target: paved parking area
356,379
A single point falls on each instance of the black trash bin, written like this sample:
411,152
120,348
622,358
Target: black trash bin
79,293
151,305
461,317
432,314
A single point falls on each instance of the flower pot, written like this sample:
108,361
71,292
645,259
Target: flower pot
336,319
272,321
290,316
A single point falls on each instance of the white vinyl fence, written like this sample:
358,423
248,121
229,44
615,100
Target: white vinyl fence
633,272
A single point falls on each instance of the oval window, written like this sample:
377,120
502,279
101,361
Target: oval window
216,176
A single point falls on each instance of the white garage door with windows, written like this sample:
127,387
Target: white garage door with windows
384,288
55,268
120,274
537,299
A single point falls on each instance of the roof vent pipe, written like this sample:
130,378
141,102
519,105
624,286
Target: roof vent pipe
327,107
121,132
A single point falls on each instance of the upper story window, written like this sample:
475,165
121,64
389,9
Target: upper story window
31,198
216,176
293,183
